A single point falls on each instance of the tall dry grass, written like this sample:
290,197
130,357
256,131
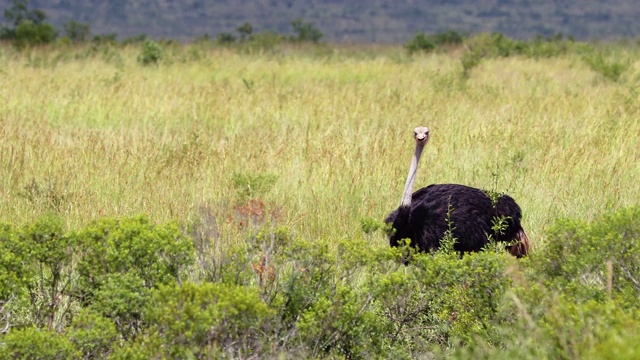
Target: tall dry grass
92,136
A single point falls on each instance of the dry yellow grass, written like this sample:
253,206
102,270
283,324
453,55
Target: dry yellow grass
91,138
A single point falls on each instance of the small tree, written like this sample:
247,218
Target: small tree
151,53
29,27
225,38
420,42
20,12
245,30
111,38
76,32
305,31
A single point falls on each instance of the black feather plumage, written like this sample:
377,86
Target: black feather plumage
471,212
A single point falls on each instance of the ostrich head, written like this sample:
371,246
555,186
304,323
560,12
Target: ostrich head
421,134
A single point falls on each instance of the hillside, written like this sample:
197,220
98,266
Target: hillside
380,21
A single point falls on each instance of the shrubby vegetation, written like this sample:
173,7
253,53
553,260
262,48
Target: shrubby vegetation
129,288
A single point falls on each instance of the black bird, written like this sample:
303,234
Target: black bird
425,216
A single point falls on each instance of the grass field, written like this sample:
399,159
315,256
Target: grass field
92,137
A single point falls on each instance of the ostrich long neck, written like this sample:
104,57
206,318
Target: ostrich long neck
408,186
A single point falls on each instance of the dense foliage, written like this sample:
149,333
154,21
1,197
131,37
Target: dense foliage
125,288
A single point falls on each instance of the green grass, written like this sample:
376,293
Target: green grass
93,137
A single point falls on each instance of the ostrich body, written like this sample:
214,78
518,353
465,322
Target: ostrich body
424,216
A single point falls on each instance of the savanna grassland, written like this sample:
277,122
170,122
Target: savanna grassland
307,144
89,138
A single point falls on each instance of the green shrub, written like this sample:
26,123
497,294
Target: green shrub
76,32
372,225
30,343
575,295
264,41
30,34
136,39
470,60
496,45
225,38
110,39
609,68
245,30
121,299
595,260
449,37
93,335
551,47
119,293
13,264
151,53
155,254
28,28
323,304
305,31
420,42
205,320
49,258
441,300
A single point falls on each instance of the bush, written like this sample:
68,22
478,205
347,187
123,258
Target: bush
76,32
29,27
597,260
30,34
609,68
110,39
420,42
49,261
225,38
206,320
13,271
93,335
470,60
272,295
549,47
154,254
264,41
449,37
30,343
121,299
136,39
305,31
496,45
245,30
151,53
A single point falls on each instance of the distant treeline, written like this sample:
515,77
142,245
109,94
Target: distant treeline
340,21
28,27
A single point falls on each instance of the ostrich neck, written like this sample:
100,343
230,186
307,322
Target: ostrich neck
408,186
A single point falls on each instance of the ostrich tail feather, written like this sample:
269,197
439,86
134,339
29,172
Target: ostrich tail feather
522,247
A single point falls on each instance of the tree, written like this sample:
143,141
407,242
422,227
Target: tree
305,31
29,27
245,30
20,12
76,32
226,38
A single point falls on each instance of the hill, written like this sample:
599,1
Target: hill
381,21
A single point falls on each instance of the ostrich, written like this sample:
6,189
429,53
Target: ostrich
424,215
